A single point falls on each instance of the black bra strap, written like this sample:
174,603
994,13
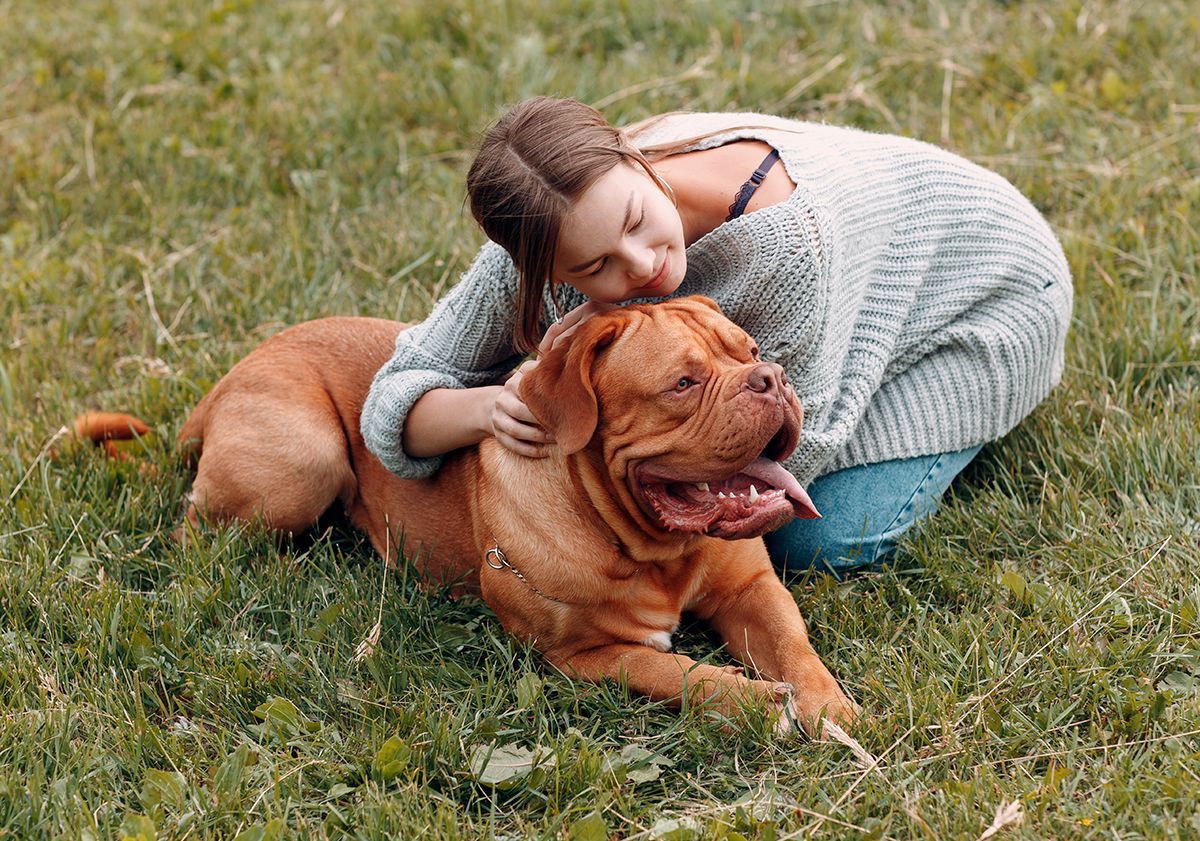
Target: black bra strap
747,190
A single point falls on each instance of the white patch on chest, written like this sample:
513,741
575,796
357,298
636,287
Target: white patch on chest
659,641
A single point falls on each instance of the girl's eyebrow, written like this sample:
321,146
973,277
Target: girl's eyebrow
625,224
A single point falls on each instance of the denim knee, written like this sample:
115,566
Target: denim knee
866,511
827,547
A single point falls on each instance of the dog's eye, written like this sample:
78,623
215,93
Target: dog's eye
754,351
684,384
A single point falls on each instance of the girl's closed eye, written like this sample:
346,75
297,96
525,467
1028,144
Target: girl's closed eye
636,225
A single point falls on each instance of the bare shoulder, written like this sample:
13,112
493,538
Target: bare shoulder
715,175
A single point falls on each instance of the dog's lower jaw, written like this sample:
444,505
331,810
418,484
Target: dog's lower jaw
741,503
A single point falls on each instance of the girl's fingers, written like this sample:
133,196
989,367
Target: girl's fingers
526,432
523,449
522,446
513,425
547,342
514,417
510,407
570,322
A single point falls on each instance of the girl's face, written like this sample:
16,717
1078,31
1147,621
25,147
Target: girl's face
622,239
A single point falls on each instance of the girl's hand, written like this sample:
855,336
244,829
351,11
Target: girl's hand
511,422
570,322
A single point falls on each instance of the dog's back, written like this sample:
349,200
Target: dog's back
339,355
277,441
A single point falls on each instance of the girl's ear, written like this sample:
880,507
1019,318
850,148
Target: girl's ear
559,391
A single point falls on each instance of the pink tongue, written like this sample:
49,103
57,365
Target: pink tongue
773,473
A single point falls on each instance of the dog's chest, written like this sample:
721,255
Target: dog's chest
660,640
655,603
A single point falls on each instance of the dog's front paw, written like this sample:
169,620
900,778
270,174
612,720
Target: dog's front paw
810,710
791,708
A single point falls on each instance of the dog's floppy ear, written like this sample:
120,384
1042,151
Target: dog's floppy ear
559,390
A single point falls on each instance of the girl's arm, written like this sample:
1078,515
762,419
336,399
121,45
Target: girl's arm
446,419
464,347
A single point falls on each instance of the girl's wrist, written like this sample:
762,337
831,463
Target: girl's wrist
485,406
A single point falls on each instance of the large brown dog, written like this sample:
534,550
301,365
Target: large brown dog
669,432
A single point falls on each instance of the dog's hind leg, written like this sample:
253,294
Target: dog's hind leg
279,462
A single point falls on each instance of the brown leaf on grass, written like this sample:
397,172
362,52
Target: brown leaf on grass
49,684
108,426
367,647
1007,814
835,733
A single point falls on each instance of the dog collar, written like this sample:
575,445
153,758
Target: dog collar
497,560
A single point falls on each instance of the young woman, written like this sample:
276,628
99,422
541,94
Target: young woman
918,303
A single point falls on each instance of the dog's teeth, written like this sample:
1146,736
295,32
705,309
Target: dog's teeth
720,495
702,486
753,494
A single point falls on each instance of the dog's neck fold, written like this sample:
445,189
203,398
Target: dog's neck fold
640,537
621,533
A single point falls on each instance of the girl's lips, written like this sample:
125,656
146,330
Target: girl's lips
659,276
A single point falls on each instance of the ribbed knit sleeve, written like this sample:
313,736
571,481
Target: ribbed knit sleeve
464,343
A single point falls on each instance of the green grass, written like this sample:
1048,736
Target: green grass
178,180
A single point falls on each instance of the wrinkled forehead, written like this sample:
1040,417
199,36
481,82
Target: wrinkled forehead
669,331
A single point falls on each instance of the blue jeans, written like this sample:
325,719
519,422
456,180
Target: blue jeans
865,511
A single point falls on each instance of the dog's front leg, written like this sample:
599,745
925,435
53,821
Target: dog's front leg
675,678
762,627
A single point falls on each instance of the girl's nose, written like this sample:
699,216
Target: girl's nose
641,263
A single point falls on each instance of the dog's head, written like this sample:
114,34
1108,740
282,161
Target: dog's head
675,400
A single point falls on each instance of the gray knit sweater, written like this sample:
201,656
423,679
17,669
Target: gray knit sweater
918,302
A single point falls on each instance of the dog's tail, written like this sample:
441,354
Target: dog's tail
104,429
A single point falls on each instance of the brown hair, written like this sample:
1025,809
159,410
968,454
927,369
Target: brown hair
533,163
